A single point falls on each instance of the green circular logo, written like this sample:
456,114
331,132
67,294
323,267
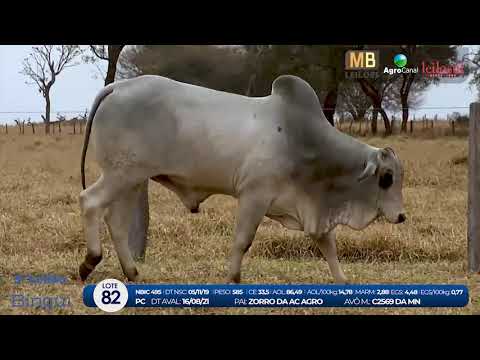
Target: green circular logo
400,60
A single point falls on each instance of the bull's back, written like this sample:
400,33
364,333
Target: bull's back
179,129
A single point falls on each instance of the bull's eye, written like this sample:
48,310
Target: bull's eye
386,180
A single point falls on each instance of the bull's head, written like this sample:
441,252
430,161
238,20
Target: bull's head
384,166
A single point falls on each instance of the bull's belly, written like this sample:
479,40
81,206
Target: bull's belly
290,221
287,221
191,192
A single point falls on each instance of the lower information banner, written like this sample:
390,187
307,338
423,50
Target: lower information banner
112,295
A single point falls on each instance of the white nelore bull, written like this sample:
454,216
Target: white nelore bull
277,155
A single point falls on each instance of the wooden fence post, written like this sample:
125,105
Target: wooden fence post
453,126
411,126
32,125
473,233
6,129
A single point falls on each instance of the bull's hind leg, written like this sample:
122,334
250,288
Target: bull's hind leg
137,235
93,202
119,218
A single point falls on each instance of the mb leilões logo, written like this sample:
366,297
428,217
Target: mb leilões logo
361,64
400,61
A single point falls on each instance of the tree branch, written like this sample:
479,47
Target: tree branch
102,55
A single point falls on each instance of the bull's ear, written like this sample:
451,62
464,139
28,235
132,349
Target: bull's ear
370,169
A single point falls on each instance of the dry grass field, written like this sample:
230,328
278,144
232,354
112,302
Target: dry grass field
41,231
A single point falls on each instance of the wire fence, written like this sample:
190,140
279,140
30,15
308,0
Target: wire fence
82,110
452,122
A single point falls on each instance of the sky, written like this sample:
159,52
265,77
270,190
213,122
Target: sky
76,88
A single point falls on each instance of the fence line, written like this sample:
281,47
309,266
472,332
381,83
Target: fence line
340,118
430,125
76,126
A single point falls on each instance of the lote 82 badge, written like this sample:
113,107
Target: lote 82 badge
110,295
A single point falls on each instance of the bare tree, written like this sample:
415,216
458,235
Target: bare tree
256,51
353,100
376,91
109,53
43,65
395,101
473,62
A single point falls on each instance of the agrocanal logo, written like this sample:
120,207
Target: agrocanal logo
400,61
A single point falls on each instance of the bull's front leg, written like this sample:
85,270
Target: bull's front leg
137,234
328,246
251,210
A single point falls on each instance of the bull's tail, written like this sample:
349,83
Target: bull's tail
107,90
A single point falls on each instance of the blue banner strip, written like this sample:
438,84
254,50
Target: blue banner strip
219,295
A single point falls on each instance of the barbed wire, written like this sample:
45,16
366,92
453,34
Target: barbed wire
43,112
337,109
411,109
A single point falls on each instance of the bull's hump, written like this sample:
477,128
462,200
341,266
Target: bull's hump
296,91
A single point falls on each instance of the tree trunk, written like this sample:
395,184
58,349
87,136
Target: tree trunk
251,85
374,121
405,113
408,80
330,104
374,95
46,119
113,55
388,128
350,127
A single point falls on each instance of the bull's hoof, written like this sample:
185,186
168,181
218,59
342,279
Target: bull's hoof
132,274
84,271
88,265
233,279
195,210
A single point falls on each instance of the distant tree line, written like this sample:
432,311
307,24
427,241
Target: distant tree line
250,70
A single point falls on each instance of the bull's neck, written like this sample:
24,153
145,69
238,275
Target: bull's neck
341,150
